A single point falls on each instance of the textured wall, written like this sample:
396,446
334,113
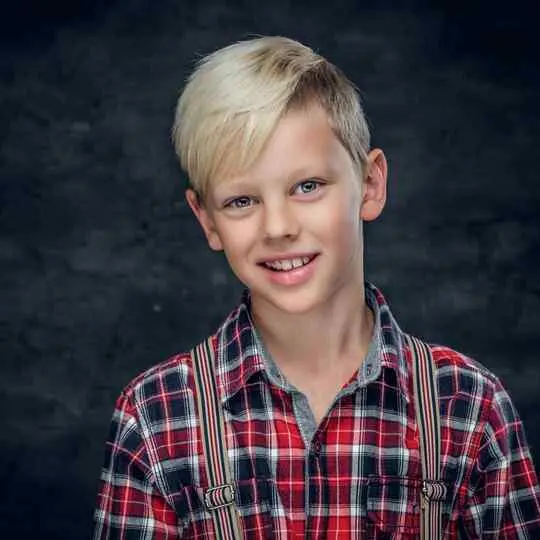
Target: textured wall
105,273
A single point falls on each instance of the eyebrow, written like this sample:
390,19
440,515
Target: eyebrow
232,186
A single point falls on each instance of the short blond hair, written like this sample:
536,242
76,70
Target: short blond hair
234,99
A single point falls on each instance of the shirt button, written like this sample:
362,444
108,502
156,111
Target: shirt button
316,446
369,369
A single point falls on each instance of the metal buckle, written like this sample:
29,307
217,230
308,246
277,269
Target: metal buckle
219,496
434,490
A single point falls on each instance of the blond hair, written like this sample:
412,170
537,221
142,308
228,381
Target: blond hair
234,99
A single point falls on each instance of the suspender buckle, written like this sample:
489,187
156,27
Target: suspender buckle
434,490
219,496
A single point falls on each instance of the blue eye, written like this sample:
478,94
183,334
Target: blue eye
309,186
239,202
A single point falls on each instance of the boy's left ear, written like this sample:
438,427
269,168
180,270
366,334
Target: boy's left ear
374,185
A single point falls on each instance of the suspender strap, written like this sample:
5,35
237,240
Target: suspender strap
429,433
220,497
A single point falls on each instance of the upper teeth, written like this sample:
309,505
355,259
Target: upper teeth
288,264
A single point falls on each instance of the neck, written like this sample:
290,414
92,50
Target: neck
335,334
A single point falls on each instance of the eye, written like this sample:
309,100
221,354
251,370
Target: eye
308,186
238,202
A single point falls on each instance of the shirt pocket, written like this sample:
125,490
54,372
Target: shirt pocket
393,507
253,502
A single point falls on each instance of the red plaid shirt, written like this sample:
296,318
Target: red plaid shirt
355,475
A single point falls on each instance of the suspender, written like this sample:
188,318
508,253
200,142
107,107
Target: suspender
429,434
219,498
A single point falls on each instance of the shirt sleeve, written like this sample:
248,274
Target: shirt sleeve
504,495
129,503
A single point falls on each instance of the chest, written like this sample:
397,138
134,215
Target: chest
357,471
352,473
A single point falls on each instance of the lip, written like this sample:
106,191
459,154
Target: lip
294,277
287,257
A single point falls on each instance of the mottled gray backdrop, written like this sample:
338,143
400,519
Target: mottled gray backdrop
104,271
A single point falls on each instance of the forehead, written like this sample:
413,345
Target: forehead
302,144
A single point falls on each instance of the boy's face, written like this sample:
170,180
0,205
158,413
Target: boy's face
301,203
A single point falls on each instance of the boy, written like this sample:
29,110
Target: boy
313,373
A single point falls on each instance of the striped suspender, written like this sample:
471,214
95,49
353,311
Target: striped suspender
429,433
219,498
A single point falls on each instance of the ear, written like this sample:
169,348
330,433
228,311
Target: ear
205,219
374,185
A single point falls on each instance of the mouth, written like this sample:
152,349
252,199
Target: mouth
287,265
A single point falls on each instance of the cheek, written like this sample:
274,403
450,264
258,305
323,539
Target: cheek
341,218
343,229
237,237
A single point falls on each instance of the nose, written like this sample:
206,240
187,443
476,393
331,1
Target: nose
280,221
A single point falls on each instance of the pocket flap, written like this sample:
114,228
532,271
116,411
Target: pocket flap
393,503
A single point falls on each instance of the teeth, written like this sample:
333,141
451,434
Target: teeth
288,264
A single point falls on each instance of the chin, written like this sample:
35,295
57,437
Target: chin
292,303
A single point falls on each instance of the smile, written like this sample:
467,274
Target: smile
286,265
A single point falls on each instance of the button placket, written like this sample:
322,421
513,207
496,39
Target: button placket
313,481
368,370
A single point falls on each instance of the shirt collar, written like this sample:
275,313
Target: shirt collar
240,354
389,339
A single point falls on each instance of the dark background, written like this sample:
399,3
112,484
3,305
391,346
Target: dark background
104,271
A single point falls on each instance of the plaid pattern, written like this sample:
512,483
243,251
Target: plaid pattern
360,474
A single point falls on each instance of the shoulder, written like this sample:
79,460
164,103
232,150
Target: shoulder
460,375
473,399
163,381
